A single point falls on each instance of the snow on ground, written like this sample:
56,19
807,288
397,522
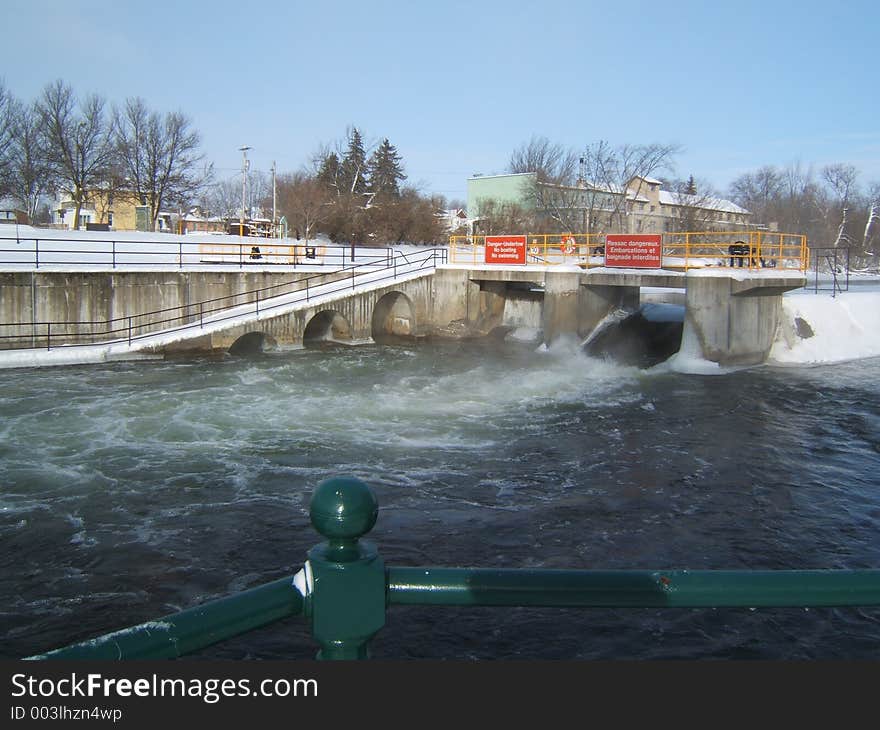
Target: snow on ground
819,328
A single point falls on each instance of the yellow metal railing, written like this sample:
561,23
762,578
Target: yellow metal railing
690,250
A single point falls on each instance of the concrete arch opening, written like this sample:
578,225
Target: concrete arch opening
252,343
393,318
326,327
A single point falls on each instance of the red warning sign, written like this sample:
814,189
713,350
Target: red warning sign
505,249
627,251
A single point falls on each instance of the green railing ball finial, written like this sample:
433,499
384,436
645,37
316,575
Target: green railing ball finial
347,602
343,509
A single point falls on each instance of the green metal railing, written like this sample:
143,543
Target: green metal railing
345,589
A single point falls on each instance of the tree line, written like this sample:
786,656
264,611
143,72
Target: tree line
830,206
84,147
60,142
355,193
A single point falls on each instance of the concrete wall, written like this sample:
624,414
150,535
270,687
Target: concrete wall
100,297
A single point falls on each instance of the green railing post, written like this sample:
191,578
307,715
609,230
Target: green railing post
345,600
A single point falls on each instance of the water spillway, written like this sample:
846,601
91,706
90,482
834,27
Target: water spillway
642,338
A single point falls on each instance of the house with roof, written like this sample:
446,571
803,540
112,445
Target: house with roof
454,220
654,210
108,209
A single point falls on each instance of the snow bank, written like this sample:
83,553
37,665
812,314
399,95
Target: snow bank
817,328
814,329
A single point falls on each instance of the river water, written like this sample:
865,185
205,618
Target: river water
134,490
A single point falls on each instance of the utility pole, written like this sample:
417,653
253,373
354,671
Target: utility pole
274,202
244,168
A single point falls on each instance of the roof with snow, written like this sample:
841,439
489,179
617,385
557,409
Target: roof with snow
701,201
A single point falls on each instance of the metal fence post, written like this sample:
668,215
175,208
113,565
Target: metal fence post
345,577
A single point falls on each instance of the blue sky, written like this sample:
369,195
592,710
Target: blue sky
456,86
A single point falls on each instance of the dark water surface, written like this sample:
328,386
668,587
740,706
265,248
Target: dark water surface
133,490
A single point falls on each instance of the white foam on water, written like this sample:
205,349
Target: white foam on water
689,358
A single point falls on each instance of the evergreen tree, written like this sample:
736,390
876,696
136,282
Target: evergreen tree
328,175
691,186
386,171
353,170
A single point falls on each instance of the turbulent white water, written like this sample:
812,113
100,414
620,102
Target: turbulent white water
132,490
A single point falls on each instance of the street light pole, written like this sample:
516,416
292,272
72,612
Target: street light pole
244,169
274,202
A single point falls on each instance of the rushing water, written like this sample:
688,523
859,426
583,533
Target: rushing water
134,490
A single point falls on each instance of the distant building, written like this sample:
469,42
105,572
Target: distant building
642,207
64,212
454,220
196,222
114,210
13,215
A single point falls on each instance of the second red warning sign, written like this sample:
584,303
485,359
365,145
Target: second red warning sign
626,251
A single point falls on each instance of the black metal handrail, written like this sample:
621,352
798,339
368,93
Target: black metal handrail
254,251
125,328
838,262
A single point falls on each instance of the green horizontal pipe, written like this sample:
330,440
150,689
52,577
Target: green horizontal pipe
193,629
627,588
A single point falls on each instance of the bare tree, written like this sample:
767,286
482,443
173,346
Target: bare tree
223,198
551,162
873,223
610,173
80,144
759,192
7,105
159,155
602,197
841,179
259,192
29,173
561,198
632,164
305,201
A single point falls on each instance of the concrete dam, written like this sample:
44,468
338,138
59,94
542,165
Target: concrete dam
55,317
